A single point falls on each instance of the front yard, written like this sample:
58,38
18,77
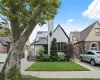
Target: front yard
56,66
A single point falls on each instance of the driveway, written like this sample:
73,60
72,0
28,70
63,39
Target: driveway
96,66
88,65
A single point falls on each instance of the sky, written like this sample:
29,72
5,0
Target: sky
73,15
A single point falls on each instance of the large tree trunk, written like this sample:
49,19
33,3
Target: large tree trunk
13,59
14,54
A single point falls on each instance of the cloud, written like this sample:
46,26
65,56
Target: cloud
93,10
66,26
70,20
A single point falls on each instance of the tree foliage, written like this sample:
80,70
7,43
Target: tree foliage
53,50
68,50
5,32
23,14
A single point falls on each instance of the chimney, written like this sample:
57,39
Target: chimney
50,33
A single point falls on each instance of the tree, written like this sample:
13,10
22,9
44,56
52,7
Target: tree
5,32
68,50
53,50
23,16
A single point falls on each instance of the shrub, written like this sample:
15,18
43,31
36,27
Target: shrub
53,49
54,58
68,50
61,57
41,51
40,58
46,57
30,52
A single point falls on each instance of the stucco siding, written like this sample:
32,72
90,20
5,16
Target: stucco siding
92,36
60,36
3,48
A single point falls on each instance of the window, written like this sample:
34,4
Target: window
94,46
90,53
97,31
60,46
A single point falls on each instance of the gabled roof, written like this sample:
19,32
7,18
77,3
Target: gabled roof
77,35
81,36
43,39
62,30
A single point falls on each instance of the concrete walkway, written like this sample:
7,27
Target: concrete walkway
58,74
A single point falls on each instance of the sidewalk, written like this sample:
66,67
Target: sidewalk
58,74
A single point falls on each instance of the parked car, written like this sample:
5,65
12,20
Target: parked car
90,56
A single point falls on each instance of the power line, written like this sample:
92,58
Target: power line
93,7
91,12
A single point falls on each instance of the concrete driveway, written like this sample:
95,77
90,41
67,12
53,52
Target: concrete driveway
88,65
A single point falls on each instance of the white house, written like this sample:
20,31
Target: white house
44,38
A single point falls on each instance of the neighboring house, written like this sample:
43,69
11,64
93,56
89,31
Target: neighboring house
4,44
27,46
44,38
87,39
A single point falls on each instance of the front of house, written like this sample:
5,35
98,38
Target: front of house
87,39
44,38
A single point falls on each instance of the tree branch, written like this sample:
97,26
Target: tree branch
14,25
15,29
34,20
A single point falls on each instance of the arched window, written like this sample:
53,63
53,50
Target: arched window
94,46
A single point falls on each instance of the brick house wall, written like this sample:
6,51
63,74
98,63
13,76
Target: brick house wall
88,44
3,48
78,48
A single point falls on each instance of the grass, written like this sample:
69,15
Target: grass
56,66
32,78
1,62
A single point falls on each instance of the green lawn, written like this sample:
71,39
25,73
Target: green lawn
56,66
1,62
51,79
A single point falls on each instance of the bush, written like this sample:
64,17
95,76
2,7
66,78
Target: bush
41,51
68,50
46,57
61,57
53,49
54,58
40,58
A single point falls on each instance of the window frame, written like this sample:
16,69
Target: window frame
61,46
94,48
97,33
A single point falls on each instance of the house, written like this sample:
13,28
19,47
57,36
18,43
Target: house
4,44
87,39
44,38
